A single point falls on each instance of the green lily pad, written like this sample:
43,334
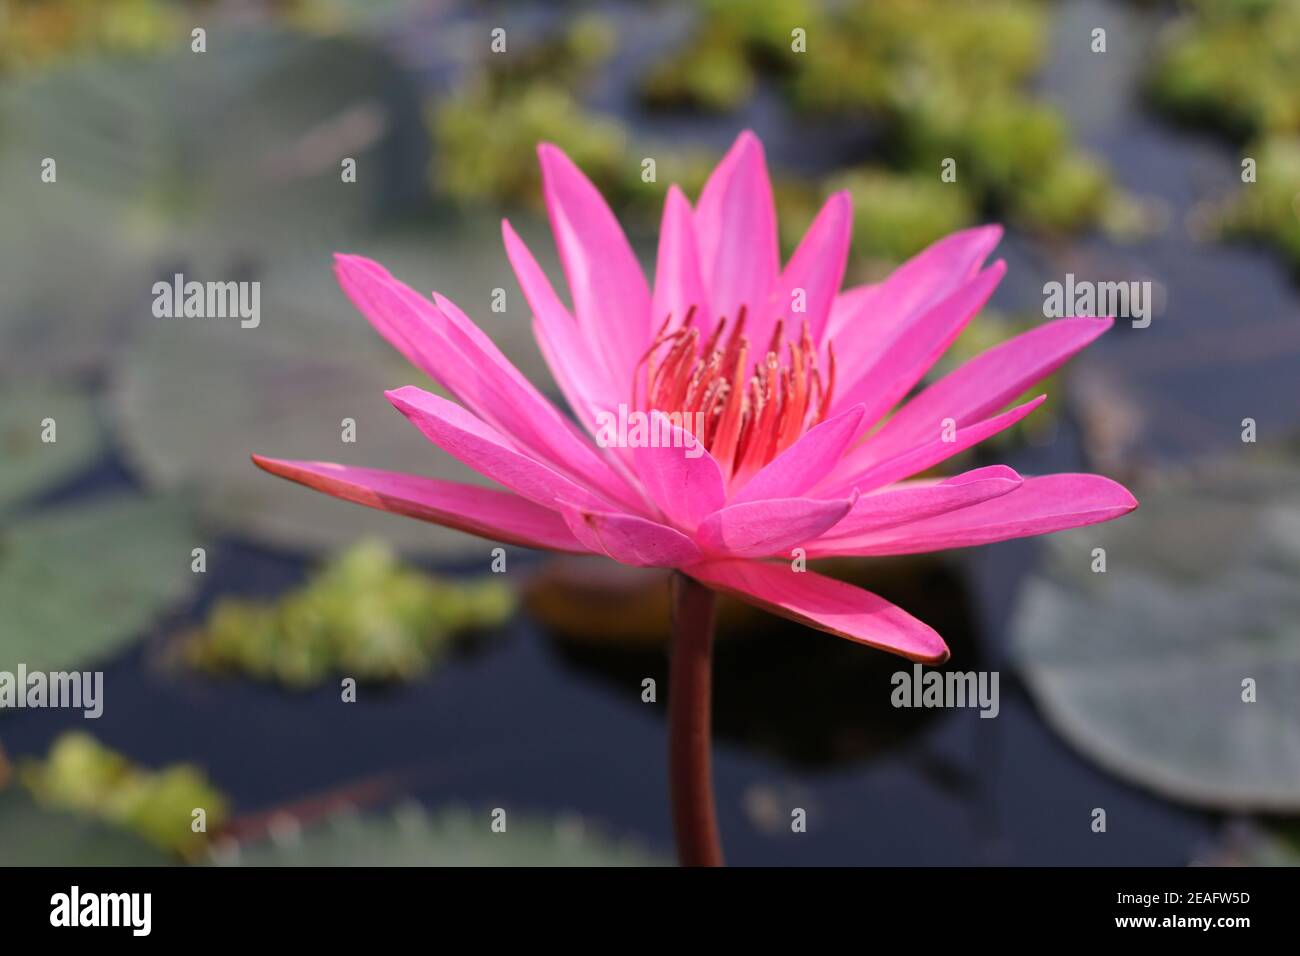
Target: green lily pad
410,836
207,160
195,397
29,465
79,583
1145,667
33,836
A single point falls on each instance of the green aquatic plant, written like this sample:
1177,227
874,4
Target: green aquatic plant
895,214
1231,66
83,776
485,133
34,33
939,79
1269,209
363,615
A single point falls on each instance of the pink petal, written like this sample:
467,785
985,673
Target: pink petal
852,473
904,503
686,489
498,515
579,371
735,226
826,604
487,451
610,296
1039,506
461,358
865,318
816,268
806,462
909,354
758,529
678,283
986,383
629,539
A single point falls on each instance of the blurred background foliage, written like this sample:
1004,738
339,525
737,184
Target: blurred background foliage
1231,66
226,165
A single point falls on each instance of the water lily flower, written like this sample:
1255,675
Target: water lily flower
769,391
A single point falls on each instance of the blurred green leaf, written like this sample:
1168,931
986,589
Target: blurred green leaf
410,836
28,464
194,398
80,583
31,835
207,162
1143,667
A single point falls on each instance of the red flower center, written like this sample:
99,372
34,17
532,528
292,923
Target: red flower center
748,411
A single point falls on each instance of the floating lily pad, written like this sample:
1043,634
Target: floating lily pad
83,776
211,160
196,396
33,836
79,583
410,836
28,464
364,615
1145,667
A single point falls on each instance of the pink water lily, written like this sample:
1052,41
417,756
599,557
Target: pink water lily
770,388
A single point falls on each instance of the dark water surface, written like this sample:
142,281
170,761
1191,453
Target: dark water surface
542,728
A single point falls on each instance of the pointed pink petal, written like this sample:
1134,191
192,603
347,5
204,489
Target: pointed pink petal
904,503
826,604
735,226
579,371
852,473
487,451
686,489
759,529
1039,506
444,342
497,515
817,268
866,317
848,311
610,296
629,539
909,354
986,383
806,462
678,282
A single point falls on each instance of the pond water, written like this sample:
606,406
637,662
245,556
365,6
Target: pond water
543,727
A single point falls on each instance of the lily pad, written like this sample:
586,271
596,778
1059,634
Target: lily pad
196,396
412,836
33,836
212,160
30,465
80,583
1179,666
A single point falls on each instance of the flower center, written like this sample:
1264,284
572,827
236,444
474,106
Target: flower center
744,412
